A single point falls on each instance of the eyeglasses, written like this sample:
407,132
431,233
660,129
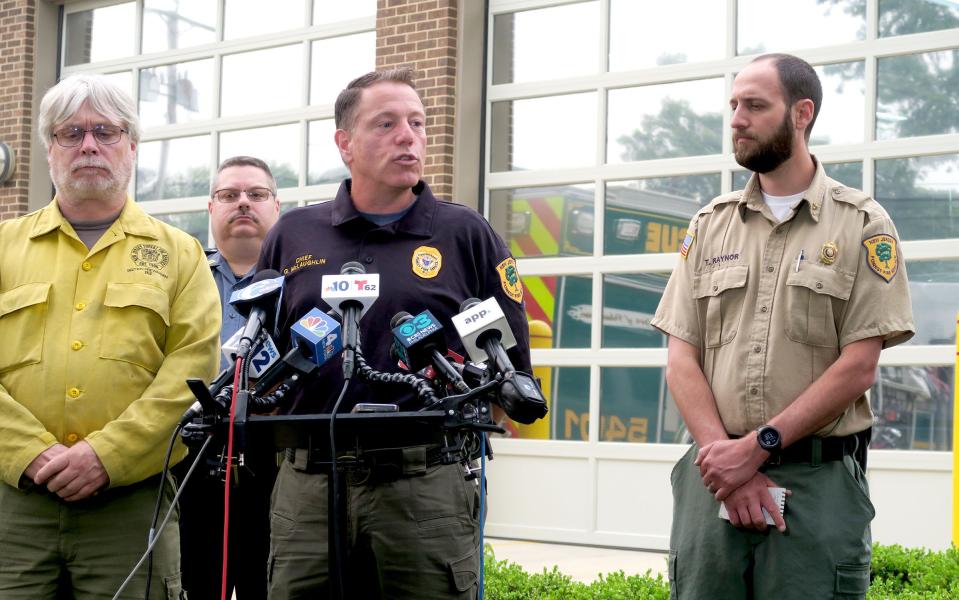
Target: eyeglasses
68,137
231,195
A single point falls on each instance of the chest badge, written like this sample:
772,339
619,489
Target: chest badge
427,262
882,255
828,253
509,279
149,258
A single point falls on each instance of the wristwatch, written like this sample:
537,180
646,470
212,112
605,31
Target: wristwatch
769,439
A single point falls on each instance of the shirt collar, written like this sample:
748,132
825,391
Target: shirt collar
752,196
132,220
418,221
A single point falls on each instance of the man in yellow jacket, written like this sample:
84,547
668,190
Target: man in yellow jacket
104,312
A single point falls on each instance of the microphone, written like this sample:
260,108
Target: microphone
265,353
257,302
486,334
316,338
419,342
350,294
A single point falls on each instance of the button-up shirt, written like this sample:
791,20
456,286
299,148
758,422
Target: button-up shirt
227,283
99,341
770,304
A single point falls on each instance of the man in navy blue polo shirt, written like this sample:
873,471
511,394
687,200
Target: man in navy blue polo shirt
412,536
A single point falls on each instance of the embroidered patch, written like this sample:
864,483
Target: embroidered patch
828,253
427,262
302,262
150,259
687,243
509,278
882,255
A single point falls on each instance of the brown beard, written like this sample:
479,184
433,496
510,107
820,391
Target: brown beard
770,153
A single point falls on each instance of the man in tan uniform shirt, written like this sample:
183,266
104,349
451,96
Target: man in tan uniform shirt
775,325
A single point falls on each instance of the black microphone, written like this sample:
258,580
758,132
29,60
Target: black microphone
419,342
351,293
316,338
486,334
257,302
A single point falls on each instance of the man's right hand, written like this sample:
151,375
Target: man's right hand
42,459
745,504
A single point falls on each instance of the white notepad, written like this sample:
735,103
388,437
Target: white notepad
779,497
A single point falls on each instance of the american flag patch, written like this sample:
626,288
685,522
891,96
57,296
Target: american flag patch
687,242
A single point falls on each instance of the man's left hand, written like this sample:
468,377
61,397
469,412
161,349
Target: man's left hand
727,464
75,474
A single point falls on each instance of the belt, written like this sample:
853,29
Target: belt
383,464
817,450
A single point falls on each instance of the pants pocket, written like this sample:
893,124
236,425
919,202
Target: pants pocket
852,580
673,588
464,572
173,586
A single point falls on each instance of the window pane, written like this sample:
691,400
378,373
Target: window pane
276,73
842,117
334,11
540,133
629,302
549,43
325,164
652,215
558,308
179,93
665,121
175,168
635,406
934,287
100,34
740,179
124,79
916,95
848,174
171,24
283,142
643,35
567,391
194,223
244,18
921,195
766,26
549,221
902,17
913,407
338,61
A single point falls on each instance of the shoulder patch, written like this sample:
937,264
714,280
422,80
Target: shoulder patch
687,242
509,279
427,262
882,255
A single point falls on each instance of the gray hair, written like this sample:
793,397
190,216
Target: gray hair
64,99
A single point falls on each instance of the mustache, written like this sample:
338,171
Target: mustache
90,161
241,213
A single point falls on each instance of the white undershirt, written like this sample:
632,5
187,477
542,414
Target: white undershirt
781,205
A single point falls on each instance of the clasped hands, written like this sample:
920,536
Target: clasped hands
730,471
73,473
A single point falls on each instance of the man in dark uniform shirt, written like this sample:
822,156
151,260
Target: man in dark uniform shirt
415,535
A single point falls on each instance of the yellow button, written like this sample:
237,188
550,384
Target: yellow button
86,266
76,345
80,306
74,393
72,437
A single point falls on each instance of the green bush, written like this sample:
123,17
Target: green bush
897,573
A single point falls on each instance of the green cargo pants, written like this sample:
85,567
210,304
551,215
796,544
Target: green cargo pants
412,537
84,550
824,553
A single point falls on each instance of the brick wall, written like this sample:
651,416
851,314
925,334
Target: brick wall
422,33
17,31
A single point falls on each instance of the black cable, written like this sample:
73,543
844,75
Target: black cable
335,487
156,507
422,387
166,519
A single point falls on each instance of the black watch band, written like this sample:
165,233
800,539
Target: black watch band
769,439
